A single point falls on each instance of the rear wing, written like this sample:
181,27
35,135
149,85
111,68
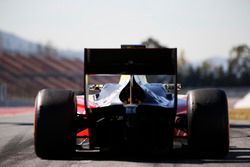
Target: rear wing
136,61
131,61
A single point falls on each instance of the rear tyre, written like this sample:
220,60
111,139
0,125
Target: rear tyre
208,125
55,134
78,92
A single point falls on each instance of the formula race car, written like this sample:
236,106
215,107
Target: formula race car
130,102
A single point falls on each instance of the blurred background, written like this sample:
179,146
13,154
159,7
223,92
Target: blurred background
42,42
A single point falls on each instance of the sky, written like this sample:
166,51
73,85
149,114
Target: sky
200,28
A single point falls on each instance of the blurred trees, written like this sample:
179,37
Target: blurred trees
49,49
239,60
210,73
239,65
1,43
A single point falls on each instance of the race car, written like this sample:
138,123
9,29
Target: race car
130,102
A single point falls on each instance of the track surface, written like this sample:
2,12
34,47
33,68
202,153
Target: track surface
16,149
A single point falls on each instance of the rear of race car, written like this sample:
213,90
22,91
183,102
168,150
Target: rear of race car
129,103
136,113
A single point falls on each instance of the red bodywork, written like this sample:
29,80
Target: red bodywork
181,110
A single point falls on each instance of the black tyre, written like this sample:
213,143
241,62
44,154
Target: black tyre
55,134
78,92
208,125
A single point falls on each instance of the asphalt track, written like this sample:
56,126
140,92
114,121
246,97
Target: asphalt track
16,149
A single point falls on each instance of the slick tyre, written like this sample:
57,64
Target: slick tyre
54,133
78,92
208,125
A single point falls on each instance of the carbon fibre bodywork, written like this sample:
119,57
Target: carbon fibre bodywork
124,114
